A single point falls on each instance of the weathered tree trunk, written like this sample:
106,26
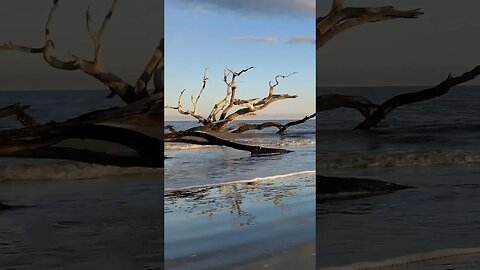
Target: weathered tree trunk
39,141
142,109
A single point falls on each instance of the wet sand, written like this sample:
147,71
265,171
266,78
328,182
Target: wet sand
299,257
451,259
439,212
242,225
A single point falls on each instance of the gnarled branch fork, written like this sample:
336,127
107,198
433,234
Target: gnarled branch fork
128,93
119,125
343,18
224,106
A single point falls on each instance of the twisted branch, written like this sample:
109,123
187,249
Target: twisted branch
343,18
94,68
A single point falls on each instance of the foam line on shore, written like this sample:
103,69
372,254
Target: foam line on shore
256,179
186,146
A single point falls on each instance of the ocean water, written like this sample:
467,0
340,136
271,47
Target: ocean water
222,226
223,206
72,215
432,146
245,198
103,223
48,106
191,165
56,105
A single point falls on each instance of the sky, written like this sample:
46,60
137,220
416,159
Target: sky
419,51
133,33
274,36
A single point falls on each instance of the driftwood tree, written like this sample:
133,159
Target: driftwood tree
143,107
340,19
228,110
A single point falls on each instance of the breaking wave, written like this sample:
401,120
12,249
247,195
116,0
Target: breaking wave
423,158
411,260
67,171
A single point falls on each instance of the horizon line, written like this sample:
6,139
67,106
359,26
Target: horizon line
326,86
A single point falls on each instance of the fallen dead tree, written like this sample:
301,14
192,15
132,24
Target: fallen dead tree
228,110
143,107
337,21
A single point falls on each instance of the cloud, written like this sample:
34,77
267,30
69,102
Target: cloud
258,39
292,40
262,7
301,39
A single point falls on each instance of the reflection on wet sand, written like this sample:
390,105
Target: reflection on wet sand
207,226
229,198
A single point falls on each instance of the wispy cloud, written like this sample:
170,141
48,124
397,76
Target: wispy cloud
292,40
258,39
302,39
263,7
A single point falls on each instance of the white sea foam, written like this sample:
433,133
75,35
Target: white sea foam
410,260
66,170
423,158
186,146
253,180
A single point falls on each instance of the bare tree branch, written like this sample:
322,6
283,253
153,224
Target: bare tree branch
9,46
154,65
214,140
242,127
97,36
337,4
250,106
297,122
342,18
195,102
19,111
233,88
94,68
180,109
170,128
409,98
334,101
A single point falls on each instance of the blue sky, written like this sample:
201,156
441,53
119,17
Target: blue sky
276,37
